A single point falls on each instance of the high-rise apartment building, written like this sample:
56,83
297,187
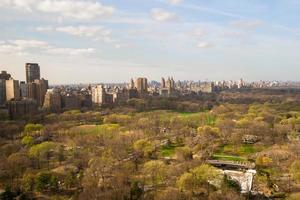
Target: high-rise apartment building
21,108
3,77
24,89
37,90
53,101
98,94
2,92
141,85
12,89
32,72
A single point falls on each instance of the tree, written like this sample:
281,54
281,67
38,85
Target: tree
263,161
60,154
155,171
144,146
42,151
27,141
295,171
46,181
34,129
17,164
28,182
197,177
184,153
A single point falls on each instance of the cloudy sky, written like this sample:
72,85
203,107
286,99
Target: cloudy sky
83,41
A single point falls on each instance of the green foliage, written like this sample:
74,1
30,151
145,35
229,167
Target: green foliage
41,149
32,128
295,170
228,158
107,130
28,141
117,119
197,177
167,150
28,182
157,170
135,191
46,181
209,131
184,153
263,161
144,146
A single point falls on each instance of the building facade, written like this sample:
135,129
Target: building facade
12,89
21,108
52,101
32,72
141,85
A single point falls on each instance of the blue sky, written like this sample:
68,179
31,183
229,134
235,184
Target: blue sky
83,41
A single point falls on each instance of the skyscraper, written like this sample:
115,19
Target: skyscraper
32,72
52,101
141,85
12,89
4,76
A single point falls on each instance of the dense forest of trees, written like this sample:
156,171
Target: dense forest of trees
155,149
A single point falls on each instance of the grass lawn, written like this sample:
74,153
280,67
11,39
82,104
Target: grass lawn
239,150
168,151
229,158
236,153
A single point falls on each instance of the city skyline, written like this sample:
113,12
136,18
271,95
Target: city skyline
108,41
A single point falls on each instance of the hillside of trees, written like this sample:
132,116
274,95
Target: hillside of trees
155,149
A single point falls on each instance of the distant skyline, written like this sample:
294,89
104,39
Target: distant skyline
90,41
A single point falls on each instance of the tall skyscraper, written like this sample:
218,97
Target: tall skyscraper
4,76
2,91
12,89
24,89
98,94
141,85
37,90
32,72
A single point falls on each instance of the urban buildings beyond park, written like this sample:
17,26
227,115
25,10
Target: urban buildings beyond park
27,98
22,108
12,90
23,98
53,101
32,72
141,85
4,76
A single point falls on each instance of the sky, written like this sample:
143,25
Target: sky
90,41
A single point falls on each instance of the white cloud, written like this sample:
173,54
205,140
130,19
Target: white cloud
75,9
24,47
162,15
96,32
44,28
24,5
198,32
204,45
25,44
175,2
71,51
247,24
